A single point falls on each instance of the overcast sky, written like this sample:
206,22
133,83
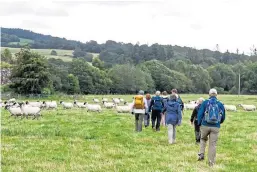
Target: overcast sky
195,23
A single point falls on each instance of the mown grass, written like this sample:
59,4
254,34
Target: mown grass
65,55
76,140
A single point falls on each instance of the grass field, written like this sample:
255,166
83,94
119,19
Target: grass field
65,55
74,140
23,41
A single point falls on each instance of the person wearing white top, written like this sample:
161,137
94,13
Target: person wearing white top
139,113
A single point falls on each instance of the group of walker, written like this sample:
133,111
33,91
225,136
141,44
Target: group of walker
167,110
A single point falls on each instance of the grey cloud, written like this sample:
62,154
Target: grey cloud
24,8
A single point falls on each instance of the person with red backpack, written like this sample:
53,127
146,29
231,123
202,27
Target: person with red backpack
156,106
210,115
139,109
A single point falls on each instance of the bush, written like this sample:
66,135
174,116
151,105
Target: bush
46,91
6,88
53,53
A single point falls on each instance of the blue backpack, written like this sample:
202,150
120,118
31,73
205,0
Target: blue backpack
212,112
157,103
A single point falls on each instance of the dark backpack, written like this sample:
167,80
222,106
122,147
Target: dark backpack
157,105
165,100
212,112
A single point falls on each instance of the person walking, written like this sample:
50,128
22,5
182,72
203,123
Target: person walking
194,120
181,103
156,106
147,114
139,109
210,115
173,117
165,98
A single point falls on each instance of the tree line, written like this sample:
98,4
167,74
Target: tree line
34,73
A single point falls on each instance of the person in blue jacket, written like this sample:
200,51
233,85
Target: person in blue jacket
210,115
156,106
173,117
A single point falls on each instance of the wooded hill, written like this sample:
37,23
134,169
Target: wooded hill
125,68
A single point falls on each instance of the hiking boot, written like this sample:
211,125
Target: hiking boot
200,156
157,129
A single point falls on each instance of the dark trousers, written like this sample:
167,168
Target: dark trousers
197,132
156,114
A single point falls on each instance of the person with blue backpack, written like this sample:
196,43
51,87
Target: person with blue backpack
156,106
173,117
179,100
210,115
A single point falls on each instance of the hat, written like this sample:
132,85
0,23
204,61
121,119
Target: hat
213,91
141,92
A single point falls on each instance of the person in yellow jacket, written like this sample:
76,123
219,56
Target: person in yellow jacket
139,109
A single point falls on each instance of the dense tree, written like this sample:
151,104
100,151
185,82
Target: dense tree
78,52
129,79
222,75
6,56
30,74
166,79
73,84
125,68
98,63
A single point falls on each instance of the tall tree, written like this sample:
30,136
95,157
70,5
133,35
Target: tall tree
30,74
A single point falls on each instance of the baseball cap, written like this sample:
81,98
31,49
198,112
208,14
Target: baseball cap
213,91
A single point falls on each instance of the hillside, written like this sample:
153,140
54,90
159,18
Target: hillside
112,52
122,68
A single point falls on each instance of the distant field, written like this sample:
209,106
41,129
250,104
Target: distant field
23,41
76,140
65,55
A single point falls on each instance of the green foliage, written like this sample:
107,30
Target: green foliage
6,88
91,79
130,79
164,66
53,53
98,63
5,65
73,84
78,52
166,79
6,56
30,74
223,76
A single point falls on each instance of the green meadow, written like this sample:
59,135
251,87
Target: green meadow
65,55
76,140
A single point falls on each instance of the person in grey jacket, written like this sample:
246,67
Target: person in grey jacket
173,117
147,113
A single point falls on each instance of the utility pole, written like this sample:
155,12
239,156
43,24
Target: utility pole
239,78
